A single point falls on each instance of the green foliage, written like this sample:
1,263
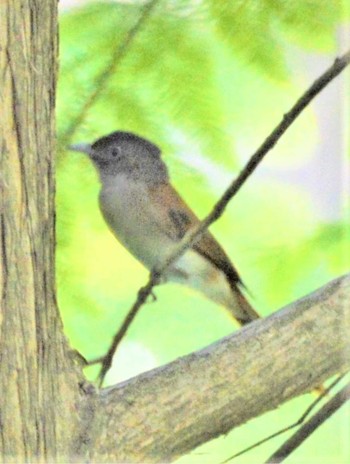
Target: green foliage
257,29
175,71
206,81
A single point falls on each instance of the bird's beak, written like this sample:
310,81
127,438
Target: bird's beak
83,147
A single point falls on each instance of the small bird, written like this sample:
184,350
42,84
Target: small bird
149,218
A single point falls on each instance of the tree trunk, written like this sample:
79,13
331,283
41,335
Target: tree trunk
37,383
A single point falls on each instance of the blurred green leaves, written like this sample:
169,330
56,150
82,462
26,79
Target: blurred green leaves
257,30
205,80
173,74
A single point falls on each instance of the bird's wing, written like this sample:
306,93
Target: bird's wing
176,218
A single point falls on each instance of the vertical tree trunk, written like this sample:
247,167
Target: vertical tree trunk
38,393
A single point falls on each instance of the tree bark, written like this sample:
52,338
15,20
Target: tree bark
162,414
37,378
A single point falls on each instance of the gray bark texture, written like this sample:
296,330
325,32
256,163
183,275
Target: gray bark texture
48,413
39,397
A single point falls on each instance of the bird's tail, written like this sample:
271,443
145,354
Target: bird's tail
241,309
231,296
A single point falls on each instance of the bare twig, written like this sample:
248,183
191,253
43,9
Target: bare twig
107,73
311,425
300,421
190,238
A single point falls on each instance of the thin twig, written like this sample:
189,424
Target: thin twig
108,72
192,236
300,421
311,425
106,360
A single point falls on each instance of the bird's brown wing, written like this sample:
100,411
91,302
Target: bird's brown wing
176,218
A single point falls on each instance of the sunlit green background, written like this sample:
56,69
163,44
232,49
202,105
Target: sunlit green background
205,80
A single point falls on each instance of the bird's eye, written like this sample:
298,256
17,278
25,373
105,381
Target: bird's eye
116,152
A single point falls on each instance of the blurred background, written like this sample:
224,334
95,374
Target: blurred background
206,80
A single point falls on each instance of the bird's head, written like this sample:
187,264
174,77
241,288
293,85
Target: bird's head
125,153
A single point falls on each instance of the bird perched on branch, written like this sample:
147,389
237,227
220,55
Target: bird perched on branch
149,217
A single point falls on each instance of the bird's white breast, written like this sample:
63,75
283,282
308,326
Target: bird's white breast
126,207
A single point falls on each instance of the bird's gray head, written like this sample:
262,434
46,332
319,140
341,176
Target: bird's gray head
128,154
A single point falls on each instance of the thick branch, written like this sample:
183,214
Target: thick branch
168,411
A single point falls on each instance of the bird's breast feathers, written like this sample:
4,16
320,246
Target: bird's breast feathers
134,220
150,220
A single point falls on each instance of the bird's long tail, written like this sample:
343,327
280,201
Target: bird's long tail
231,295
242,310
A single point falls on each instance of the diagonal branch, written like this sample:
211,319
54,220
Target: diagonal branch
108,72
190,238
300,421
162,414
311,425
